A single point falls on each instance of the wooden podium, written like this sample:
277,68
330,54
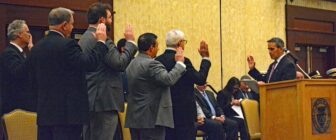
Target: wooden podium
298,110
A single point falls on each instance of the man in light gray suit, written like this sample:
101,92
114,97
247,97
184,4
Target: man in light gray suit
149,102
105,87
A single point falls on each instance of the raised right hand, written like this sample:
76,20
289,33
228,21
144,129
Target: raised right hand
251,63
203,49
129,33
179,54
101,32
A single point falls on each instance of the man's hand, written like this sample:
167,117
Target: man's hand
129,33
250,61
203,50
179,54
235,102
220,119
30,44
101,32
200,121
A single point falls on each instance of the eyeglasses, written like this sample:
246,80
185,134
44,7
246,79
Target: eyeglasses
185,41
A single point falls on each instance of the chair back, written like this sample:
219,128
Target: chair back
20,125
125,131
250,110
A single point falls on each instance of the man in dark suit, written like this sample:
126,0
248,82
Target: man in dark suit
58,67
184,108
105,89
15,82
214,113
281,69
149,109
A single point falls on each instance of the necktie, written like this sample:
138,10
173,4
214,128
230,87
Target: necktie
213,112
23,54
273,68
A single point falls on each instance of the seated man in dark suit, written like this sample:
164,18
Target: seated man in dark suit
248,89
213,112
213,129
281,69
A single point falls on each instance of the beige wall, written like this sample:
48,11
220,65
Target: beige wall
246,26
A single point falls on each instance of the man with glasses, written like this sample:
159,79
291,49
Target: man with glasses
184,106
14,71
281,69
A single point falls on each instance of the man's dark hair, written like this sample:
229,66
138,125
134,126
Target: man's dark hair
121,43
146,40
278,42
96,11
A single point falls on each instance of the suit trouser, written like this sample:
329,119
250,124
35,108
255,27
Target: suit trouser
102,126
157,133
231,129
241,127
184,132
213,129
60,132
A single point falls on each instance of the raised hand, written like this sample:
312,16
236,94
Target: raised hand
250,61
101,32
179,54
203,49
129,33
30,44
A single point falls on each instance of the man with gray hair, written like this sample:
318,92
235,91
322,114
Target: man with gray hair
182,93
58,70
280,70
15,81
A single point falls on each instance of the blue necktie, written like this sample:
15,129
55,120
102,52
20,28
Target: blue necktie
213,112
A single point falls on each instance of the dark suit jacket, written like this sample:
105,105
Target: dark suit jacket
204,105
224,99
284,71
184,106
105,87
58,67
15,81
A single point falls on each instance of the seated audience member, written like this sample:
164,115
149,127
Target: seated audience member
248,89
299,75
213,112
212,128
226,99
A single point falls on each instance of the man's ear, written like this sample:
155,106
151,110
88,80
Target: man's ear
102,20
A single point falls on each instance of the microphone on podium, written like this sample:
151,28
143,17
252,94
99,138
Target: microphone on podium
295,58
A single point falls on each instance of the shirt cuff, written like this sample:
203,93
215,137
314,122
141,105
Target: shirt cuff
206,58
102,41
131,41
181,63
213,117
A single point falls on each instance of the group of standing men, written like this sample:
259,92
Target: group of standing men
79,88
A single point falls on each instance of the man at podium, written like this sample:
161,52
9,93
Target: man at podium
281,69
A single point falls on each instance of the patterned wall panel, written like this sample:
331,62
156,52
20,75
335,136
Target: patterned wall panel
198,19
247,25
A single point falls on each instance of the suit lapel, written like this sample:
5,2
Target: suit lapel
17,51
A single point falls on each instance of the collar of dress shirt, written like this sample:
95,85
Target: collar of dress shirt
279,59
17,46
171,48
57,32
